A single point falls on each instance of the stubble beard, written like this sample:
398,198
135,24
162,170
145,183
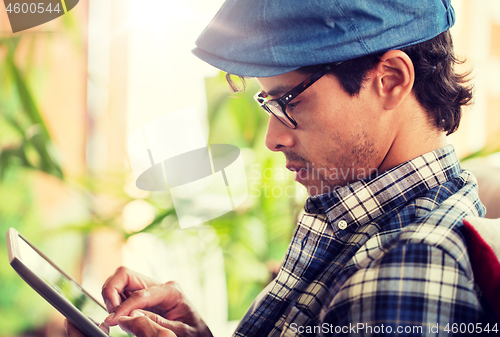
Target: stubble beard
328,176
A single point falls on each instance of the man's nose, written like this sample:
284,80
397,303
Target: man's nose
278,135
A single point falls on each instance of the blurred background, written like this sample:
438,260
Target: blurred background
73,90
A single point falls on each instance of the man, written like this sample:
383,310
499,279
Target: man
361,95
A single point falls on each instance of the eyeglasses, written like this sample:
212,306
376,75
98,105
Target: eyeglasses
277,107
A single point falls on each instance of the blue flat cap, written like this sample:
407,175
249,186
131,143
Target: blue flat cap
261,38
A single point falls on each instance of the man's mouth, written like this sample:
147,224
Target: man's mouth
300,172
292,168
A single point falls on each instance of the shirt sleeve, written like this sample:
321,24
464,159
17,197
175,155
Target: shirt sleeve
412,290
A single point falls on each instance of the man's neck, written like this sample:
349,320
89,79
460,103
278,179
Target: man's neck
415,137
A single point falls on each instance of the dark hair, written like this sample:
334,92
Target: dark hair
438,88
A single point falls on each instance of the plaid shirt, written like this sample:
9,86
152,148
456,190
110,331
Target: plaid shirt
378,257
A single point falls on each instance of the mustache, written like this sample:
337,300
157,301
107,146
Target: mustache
295,158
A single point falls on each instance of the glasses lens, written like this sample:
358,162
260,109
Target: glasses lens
274,108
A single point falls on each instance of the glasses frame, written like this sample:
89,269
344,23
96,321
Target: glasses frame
283,101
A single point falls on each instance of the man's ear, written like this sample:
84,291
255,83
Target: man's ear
394,77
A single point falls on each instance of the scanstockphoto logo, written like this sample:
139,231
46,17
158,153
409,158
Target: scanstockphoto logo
28,14
204,181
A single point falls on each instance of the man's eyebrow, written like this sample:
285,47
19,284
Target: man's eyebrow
278,91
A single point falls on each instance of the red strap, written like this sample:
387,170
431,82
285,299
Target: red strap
486,267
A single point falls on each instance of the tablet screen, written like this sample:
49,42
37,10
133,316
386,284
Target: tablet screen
64,286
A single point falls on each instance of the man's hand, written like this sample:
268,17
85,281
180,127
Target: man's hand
146,308
140,323
166,310
144,323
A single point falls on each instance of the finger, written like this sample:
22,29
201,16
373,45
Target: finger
122,282
104,327
142,326
178,328
164,297
71,330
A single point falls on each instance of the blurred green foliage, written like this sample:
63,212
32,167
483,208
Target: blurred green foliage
24,138
18,312
25,145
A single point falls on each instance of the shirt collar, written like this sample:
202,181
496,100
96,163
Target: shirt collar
358,203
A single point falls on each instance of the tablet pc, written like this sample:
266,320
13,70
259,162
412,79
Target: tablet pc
57,287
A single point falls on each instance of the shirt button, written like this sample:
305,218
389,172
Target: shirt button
342,224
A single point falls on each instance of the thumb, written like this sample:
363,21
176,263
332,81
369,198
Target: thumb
178,328
140,325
